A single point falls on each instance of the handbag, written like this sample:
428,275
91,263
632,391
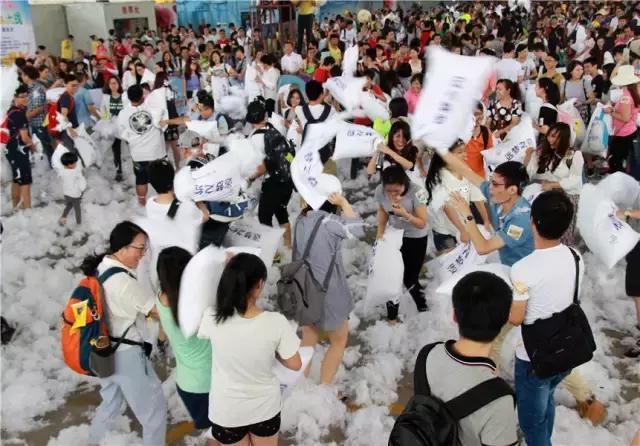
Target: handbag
562,341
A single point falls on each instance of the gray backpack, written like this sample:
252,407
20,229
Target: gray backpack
300,295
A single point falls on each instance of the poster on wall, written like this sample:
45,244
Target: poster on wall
16,32
166,15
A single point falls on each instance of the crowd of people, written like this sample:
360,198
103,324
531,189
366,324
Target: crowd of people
557,51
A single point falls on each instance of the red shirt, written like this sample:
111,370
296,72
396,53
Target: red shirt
321,75
425,36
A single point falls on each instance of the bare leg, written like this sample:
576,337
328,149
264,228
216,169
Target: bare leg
176,153
637,301
264,441
142,194
15,194
25,196
244,442
310,337
287,235
332,359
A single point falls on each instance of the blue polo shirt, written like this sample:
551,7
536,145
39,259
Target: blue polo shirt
514,228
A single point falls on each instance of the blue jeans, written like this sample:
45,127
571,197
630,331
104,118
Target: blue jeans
536,406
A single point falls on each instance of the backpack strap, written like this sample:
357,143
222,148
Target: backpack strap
306,111
173,209
420,383
102,278
312,237
325,113
576,289
479,396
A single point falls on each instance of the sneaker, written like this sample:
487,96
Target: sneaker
593,410
418,297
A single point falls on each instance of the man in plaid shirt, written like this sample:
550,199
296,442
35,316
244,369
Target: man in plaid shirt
37,108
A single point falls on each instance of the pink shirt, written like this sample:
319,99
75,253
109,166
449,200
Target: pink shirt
621,128
412,99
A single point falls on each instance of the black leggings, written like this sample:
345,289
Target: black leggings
230,435
274,200
305,23
619,149
413,252
116,147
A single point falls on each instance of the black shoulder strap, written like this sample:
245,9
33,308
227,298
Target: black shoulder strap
325,113
102,278
312,237
576,290
306,111
173,209
420,383
477,397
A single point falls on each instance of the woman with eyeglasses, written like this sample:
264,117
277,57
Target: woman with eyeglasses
402,204
134,380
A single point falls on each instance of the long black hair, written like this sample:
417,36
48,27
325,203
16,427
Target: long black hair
171,264
435,166
550,157
241,274
122,235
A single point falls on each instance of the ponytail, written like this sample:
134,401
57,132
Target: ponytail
241,274
90,264
171,264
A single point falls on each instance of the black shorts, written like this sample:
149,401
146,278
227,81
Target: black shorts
197,405
20,169
141,171
172,133
230,435
632,276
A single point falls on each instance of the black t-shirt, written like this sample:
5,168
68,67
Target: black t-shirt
115,105
17,121
67,101
598,86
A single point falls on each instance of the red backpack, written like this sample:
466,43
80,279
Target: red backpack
5,133
53,108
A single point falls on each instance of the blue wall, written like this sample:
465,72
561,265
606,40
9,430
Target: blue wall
196,12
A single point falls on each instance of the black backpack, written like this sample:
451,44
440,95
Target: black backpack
279,152
429,421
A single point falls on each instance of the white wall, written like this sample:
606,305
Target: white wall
83,20
49,26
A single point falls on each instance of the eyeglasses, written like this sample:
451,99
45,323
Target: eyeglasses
22,96
141,249
496,184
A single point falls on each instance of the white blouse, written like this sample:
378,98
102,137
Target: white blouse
570,178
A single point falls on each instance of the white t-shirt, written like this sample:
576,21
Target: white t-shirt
244,389
139,126
73,182
316,111
270,83
449,183
187,212
546,279
508,69
291,63
125,299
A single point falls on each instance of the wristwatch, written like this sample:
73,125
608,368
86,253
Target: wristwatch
468,218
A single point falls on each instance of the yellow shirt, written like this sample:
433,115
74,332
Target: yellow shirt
336,53
66,49
306,7
94,46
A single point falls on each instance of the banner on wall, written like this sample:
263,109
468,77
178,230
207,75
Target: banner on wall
16,35
181,99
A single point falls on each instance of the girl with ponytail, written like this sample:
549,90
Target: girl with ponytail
245,399
193,355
